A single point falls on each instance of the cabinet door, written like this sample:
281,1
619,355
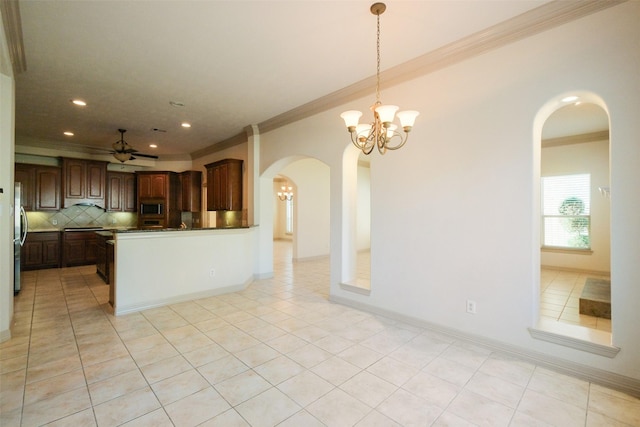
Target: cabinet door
129,193
51,253
144,186
191,181
74,252
47,196
96,179
224,185
234,186
31,255
114,192
26,175
152,186
91,248
211,183
159,186
41,250
75,172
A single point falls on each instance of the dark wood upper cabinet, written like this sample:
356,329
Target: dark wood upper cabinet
159,187
84,181
40,186
47,191
191,184
26,175
121,192
153,185
224,185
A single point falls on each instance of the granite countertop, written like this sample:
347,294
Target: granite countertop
87,228
156,230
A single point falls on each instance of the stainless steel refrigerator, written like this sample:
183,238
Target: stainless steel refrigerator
20,235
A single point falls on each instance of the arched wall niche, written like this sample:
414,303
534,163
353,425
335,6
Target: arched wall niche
560,102
356,215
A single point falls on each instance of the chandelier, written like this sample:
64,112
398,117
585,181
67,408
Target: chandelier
286,193
381,133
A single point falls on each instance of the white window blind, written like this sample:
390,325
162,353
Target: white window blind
566,204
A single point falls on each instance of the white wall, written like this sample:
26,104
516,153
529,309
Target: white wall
592,158
7,97
465,229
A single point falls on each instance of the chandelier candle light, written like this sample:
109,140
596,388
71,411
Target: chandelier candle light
382,132
286,193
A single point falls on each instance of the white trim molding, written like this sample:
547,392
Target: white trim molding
608,379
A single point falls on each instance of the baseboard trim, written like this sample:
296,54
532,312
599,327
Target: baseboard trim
5,335
119,311
612,380
311,258
262,276
349,287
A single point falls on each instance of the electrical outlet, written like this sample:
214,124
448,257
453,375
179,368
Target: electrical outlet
471,306
212,272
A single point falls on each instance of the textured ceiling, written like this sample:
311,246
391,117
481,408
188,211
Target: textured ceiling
231,63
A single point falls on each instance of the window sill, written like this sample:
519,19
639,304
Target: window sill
567,250
574,336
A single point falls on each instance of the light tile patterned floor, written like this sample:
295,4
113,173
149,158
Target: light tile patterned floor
559,298
277,353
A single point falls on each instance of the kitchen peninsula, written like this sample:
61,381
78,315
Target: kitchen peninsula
158,267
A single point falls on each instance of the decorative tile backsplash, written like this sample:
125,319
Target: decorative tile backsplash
80,216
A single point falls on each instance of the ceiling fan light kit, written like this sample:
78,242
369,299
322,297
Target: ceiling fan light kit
381,133
123,151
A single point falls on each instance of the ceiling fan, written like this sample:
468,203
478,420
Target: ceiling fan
123,151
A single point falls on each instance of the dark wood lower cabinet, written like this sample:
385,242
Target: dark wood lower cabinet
79,248
40,250
102,255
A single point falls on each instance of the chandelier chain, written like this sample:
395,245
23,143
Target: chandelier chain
378,61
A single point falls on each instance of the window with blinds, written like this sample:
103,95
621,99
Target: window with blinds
566,204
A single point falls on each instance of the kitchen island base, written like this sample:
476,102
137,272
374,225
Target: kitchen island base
154,269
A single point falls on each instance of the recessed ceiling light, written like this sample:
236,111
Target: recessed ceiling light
570,98
79,102
186,125
68,133
153,146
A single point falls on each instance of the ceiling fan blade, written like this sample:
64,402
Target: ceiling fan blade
149,156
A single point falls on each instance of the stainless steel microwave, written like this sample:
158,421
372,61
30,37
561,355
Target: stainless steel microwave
151,208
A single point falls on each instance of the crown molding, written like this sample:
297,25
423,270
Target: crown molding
549,15
602,135
10,10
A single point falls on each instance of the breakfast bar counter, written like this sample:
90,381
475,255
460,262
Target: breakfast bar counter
157,267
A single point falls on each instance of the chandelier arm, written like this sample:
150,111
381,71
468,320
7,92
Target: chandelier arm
403,140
